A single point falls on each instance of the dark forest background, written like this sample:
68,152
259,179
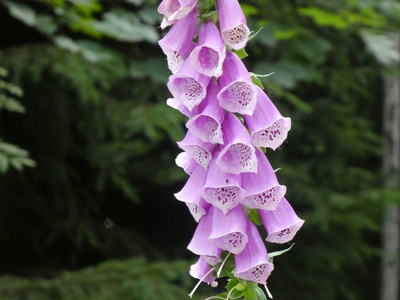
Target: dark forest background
89,212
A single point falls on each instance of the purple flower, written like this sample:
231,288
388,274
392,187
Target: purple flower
267,126
233,23
229,231
238,155
263,190
190,194
200,244
207,123
222,190
238,93
201,269
208,56
186,162
188,86
197,149
252,263
178,44
282,223
174,10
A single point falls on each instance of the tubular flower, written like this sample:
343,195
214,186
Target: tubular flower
188,86
267,126
281,224
233,24
197,149
174,10
208,56
238,154
231,181
207,123
263,190
252,263
238,94
178,44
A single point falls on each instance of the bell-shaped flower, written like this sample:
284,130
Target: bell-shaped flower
188,86
252,263
222,190
178,42
263,190
282,223
207,123
174,10
190,191
229,231
186,162
197,149
233,23
190,194
267,126
238,155
208,56
238,94
198,208
201,269
200,244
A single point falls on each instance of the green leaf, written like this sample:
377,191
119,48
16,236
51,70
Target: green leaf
22,12
260,294
65,42
241,53
324,18
257,81
46,24
124,26
271,255
383,46
255,217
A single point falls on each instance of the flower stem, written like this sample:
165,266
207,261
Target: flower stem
200,281
222,265
268,292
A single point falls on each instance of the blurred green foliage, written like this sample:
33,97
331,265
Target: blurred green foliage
131,279
103,139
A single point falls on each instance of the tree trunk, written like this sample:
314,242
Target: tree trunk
391,167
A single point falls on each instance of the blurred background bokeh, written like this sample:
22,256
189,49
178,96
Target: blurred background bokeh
89,212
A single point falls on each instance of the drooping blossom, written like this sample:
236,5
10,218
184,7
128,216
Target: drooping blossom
267,126
186,162
197,149
200,244
233,23
229,231
207,120
263,190
281,224
252,263
208,56
188,86
237,154
238,94
222,190
201,269
174,10
178,43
